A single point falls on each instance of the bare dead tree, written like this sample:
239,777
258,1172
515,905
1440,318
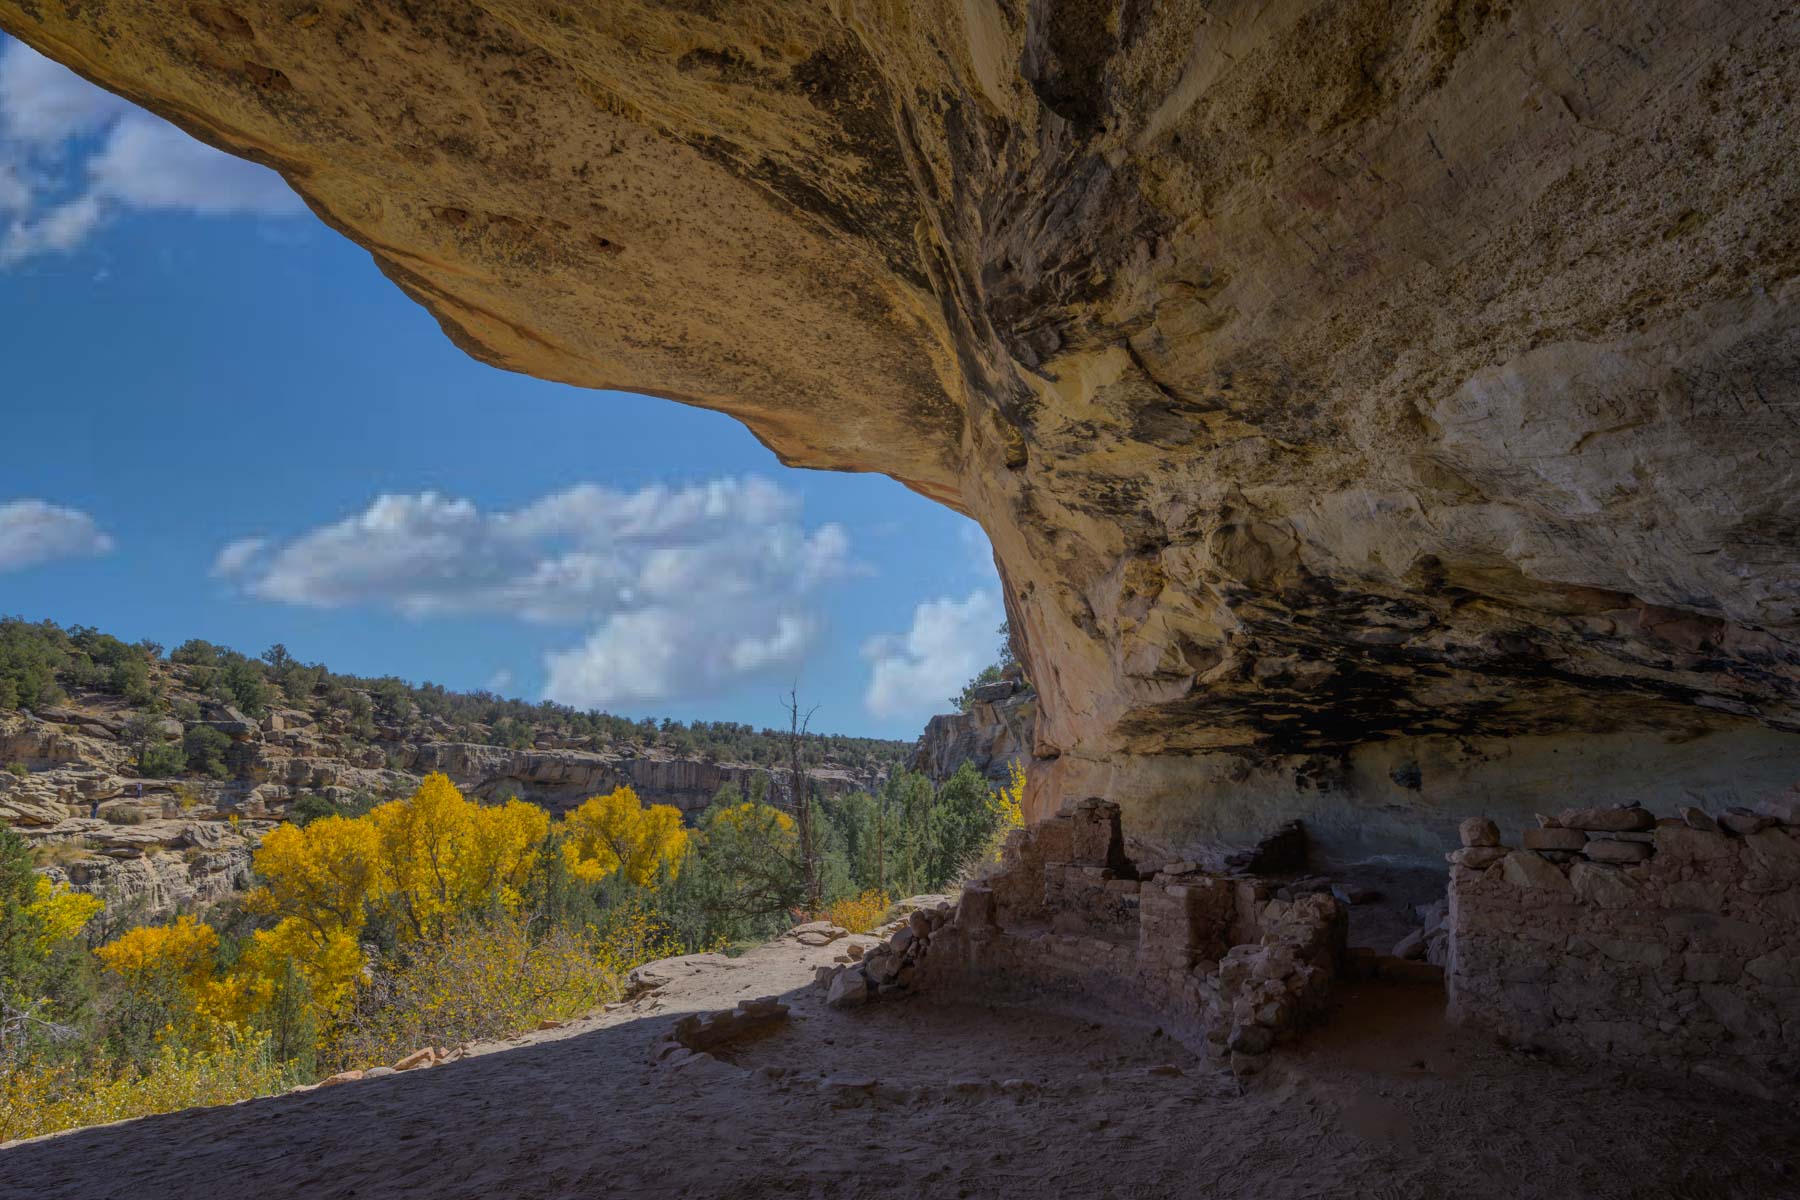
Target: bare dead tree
801,793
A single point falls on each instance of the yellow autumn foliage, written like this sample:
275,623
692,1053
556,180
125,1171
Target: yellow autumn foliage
441,854
617,833
182,952
38,1098
322,874
438,879
861,913
59,911
489,978
1007,805
751,816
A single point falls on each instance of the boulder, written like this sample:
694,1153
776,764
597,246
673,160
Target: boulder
881,967
1479,831
1528,869
1625,818
1745,821
418,1058
817,933
1556,838
1785,808
1605,886
1477,858
848,990
1697,818
1608,850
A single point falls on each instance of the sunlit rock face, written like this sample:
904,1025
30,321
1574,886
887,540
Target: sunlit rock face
1381,412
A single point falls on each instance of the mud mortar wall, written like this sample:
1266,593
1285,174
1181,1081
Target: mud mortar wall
1686,961
1230,971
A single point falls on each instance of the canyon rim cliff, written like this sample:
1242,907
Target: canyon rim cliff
1380,412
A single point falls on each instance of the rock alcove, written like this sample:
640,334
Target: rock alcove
1382,414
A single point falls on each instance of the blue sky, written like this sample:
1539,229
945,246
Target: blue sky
222,422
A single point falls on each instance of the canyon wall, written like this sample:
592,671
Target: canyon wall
994,733
153,847
1381,412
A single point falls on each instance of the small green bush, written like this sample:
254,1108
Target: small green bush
205,748
161,761
18,768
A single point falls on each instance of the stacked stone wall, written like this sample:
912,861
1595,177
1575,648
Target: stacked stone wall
1224,968
1670,945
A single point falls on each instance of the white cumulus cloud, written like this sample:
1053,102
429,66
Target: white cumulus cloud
236,557
72,156
33,532
43,102
914,674
684,589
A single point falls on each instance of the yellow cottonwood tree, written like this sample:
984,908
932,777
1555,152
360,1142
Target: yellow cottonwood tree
441,855
59,911
183,951
617,833
317,881
504,843
1007,806
180,961
322,874
419,840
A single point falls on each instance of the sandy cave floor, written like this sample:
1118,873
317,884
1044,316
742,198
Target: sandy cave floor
951,1099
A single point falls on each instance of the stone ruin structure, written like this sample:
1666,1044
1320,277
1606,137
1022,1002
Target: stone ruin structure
1229,969
1381,415
1670,944
1377,412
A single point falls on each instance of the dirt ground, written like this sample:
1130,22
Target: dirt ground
950,1098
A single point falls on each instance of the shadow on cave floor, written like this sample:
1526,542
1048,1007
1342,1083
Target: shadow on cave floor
915,1100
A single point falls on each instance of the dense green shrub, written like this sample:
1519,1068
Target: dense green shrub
205,748
161,760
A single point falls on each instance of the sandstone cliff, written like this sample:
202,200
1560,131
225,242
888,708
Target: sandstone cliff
1380,412
993,734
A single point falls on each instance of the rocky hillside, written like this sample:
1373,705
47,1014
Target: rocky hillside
144,782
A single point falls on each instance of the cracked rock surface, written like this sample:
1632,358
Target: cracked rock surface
1380,412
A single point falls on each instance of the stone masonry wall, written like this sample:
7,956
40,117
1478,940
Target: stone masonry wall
1228,969
1672,945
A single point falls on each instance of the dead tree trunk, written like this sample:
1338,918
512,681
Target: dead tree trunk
799,783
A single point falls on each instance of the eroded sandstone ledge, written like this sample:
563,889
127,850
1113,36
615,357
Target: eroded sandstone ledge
1380,412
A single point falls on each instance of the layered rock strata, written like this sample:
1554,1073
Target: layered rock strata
1378,413
995,734
1670,945
152,870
